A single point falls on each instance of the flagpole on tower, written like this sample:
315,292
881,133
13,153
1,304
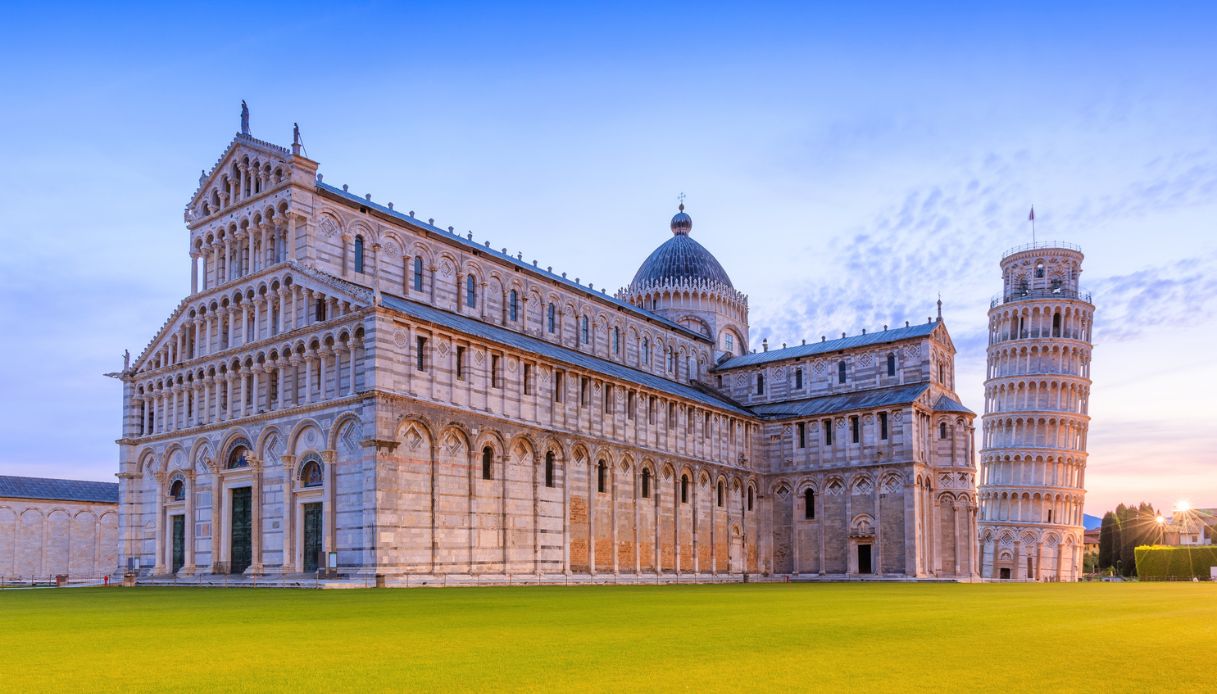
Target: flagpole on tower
1032,218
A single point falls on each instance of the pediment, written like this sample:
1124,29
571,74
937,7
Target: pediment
237,291
271,161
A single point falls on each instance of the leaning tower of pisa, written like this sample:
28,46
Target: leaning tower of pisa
1033,455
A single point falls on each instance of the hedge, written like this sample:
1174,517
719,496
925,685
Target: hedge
1166,563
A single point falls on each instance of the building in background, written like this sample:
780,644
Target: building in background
1033,453
347,381
51,527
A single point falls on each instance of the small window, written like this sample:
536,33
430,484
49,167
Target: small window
883,426
749,498
760,384
358,254
528,379
460,363
646,351
629,405
942,374
420,354
855,427
684,489
729,343
558,386
671,415
495,381
706,426
608,399
891,364
549,469
616,340
584,388
310,474
809,505
1039,271
601,477
798,378
802,427
720,494
646,483
418,273
942,430
841,372
471,291
320,310
651,411
585,331
177,490
551,320
513,306
827,423
487,463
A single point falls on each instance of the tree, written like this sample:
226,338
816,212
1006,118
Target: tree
1107,540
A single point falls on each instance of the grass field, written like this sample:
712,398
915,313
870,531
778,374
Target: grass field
799,637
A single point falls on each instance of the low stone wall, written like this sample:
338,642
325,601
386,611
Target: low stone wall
40,539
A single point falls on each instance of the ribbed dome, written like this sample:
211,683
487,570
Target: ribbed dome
680,258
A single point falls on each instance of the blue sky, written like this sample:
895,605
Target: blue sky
845,165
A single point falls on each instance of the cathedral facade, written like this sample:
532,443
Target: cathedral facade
351,389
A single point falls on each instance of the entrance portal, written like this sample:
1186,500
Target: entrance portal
179,543
1004,574
1030,571
312,536
864,566
242,531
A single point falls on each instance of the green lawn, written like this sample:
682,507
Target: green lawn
797,637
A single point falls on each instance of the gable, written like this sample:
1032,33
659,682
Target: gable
248,167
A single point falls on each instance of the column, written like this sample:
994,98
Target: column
158,567
351,385
256,516
289,513
308,378
194,272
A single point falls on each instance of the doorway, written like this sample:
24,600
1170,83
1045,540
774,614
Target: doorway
864,563
1030,571
179,543
242,531
312,537
1004,574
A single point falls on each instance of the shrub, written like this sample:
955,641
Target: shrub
1164,563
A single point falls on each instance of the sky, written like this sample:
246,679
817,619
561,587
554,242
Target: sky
845,164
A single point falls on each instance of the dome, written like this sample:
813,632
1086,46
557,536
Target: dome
680,258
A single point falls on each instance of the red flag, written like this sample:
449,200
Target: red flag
1031,217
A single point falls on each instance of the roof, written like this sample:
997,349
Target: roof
948,404
558,353
679,258
831,404
867,339
60,490
504,257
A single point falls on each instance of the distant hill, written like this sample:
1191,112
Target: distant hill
1091,522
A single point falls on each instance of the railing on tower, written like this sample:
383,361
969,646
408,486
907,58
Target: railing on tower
1042,244
1047,293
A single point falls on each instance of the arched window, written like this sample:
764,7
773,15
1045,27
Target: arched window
551,318
1056,325
1039,270
585,332
684,489
720,493
471,291
418,273
729,343
310,474
237,459
513,305
760,384
809,504
177,490
487,463
358,254
616,340
891,364
749,498
646,483
942,430
601,476
840,372
549,469
798,378
646,351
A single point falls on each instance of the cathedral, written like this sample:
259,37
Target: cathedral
350,391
